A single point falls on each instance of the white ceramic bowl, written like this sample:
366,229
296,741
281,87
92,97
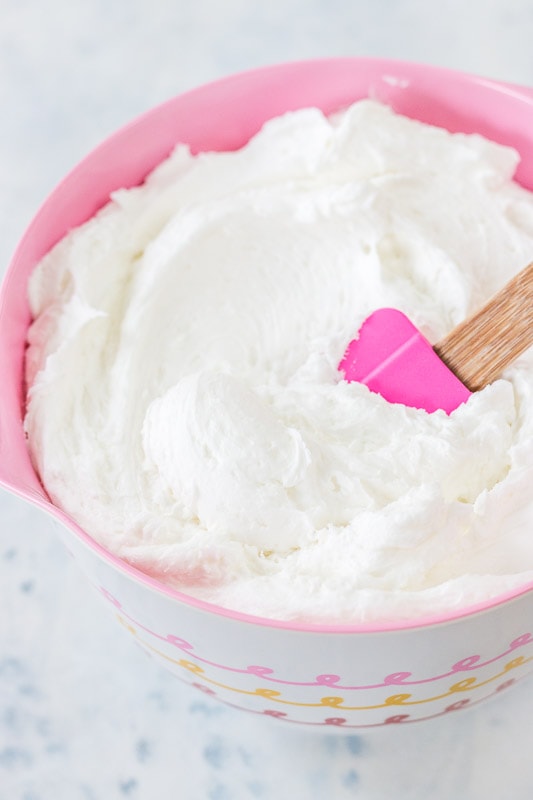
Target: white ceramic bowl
344,676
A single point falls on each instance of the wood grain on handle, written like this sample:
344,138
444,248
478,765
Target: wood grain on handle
479,349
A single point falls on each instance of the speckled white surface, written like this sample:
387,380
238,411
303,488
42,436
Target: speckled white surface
84,715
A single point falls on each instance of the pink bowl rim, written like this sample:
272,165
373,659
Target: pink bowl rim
136,575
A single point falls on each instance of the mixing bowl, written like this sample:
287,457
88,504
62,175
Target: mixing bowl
341,676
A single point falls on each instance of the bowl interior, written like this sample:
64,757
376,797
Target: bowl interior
223,116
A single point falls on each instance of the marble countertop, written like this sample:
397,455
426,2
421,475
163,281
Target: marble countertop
84,714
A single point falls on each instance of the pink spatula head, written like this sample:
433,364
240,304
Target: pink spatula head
392,358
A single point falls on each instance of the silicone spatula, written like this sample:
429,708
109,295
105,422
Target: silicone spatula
394,359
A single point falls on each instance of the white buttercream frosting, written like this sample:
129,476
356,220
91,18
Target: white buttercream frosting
185,405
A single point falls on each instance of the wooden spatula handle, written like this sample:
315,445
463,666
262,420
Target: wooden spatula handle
479,349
